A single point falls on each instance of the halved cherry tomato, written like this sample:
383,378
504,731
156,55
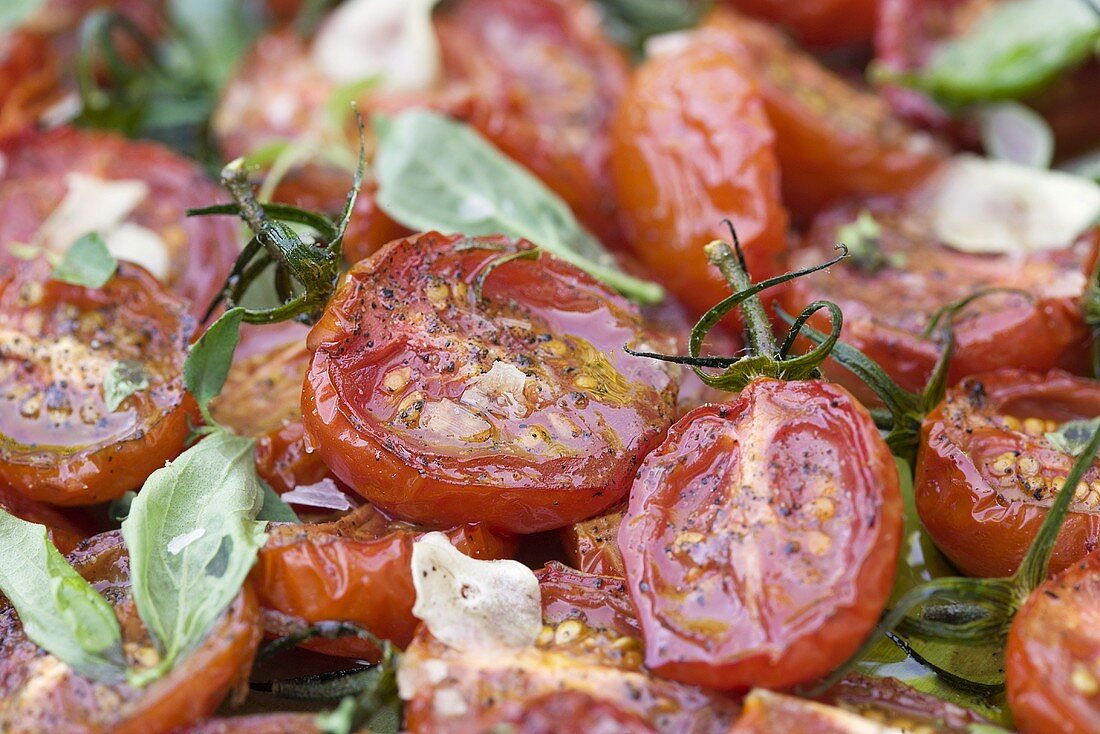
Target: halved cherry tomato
541,80
833,139
197,253
58,441
761,538
585,649
592,545
692,146
461,380
819,23
986,473
259,724
64,533
356,569
1052,662
263,392
38,692
887,308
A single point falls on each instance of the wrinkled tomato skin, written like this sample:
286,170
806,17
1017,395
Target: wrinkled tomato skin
58,442
357,569
392,400
201,250
833,140
761,537
1053,646
64,533
983,513
263,391
817,23
284,462
592,545
692,146
886,311
541,80
39,693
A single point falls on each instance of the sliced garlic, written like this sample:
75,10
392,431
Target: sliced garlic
500,390
447,419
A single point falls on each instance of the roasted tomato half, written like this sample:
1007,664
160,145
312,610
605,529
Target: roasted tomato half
762,536
833,139
818,23
39,693
593,545
986,473
470,380
59,185
692,146
356,569
59,442
1053,658
587,647
263,392
889,300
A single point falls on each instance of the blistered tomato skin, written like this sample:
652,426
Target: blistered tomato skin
761,538
818,23
986,474
691,146
40,693
1051,659
58,441
518,408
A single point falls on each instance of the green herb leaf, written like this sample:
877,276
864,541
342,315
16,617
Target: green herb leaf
14,12
124,378
1013,132
88,263
1015,49
119,509
375,708
863,237
193,537
273,508
208,363
1072,437
59,610
631,22
435,173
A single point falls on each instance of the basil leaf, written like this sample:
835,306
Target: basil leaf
124,378
208,363
631,22
88,263
1013,132
274,509
59,610
435,173
863,237
1015,49
119,509
193,537
1073,436
14,12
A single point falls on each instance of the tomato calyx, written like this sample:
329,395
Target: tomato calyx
763,355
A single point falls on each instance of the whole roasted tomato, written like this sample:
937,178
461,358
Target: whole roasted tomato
819,23
1053,647
39,693
356,569
692,146
59,440
463,380
986,473
59,185
833,139
890,293
762,536
588,647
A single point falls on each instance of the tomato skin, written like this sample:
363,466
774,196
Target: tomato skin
817,23
562,448
357,569
575,711
786,496
263,392
1053,646
62,446
201,250
894,703
39,693
691,146
982,517
592,545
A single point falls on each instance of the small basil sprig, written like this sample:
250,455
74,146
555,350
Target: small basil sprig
59,610
87,263
436,173
124,378
208,362
1015,49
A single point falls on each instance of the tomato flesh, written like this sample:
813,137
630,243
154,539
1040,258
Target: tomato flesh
592,545
817,23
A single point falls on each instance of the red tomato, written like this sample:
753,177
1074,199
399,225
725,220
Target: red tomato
519,409
541,80
58,441
761,538
65,534
1053,648
592,545
889,701
820,23
198,252
263,392
574,711
692,146
767,712
986,474
587,648
833,139
40,693
886,310
357,569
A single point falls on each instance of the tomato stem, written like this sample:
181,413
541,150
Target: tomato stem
758,328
